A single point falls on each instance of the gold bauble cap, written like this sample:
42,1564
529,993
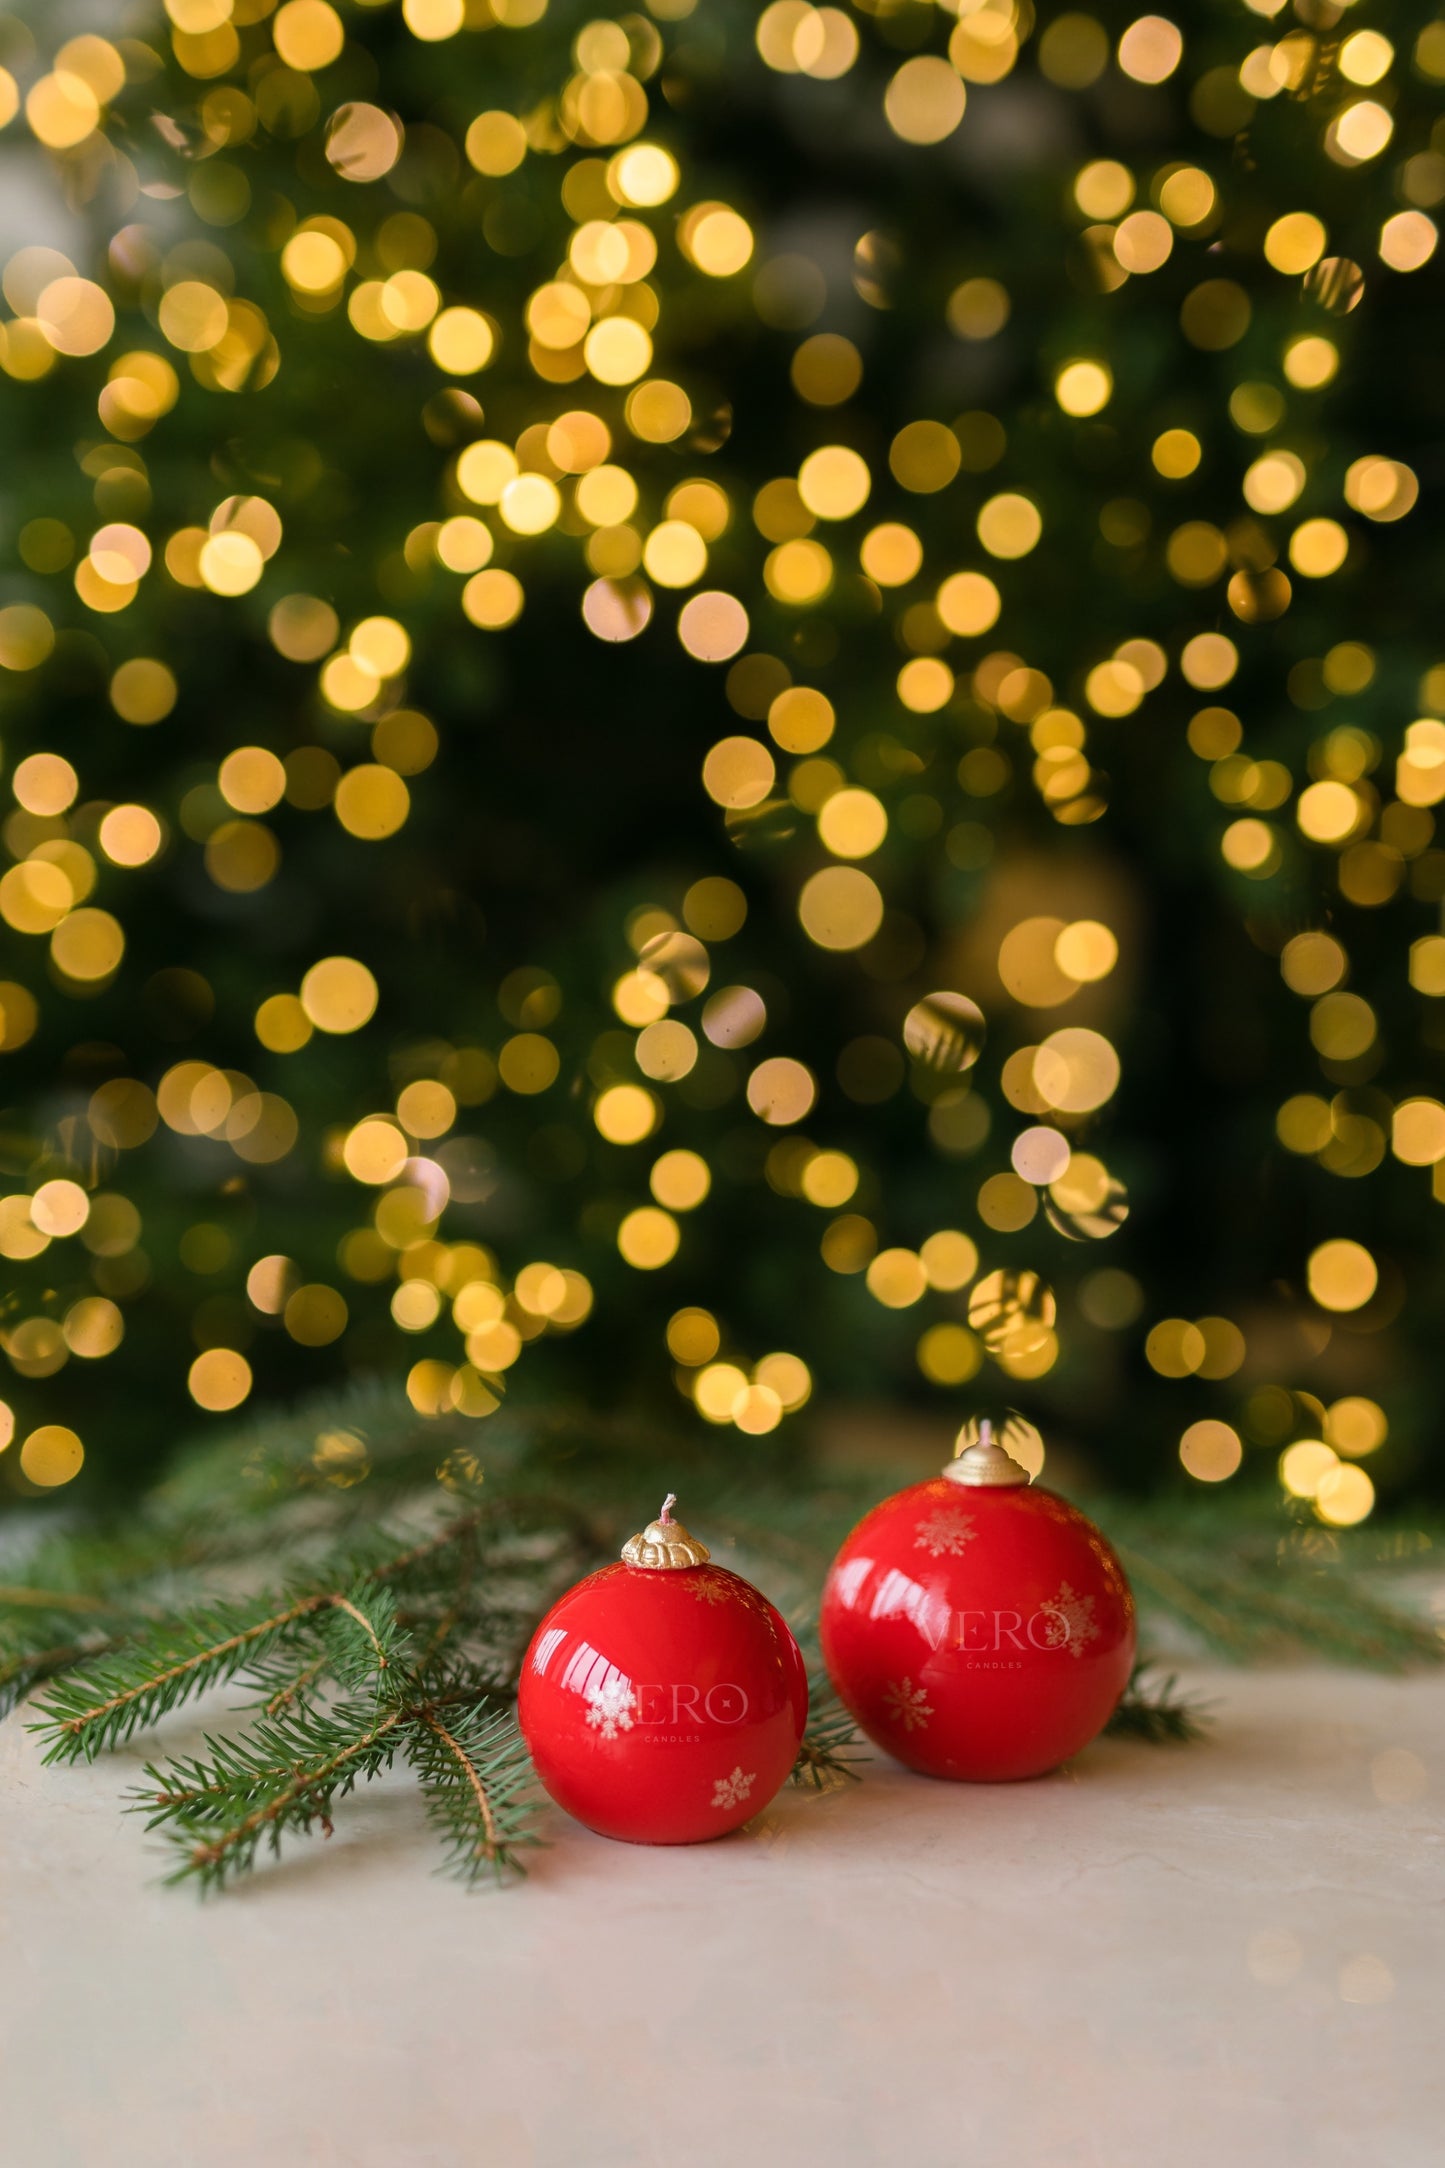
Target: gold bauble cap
665,1543
984,1465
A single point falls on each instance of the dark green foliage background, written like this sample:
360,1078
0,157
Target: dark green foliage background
566,791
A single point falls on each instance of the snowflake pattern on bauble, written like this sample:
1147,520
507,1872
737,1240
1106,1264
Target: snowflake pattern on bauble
944,1535
908,1705
734,1790
1071,1619
707,1590
610,1706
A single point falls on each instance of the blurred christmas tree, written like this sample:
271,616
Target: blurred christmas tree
728,705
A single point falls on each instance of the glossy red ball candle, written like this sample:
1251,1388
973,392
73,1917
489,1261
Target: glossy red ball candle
663,1698
977,1625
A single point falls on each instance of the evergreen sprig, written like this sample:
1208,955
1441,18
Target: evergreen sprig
40,1640
832,1744
1157,1712
340,1718
363,1643
104,1703
395,1647
282,1777
1258,1584
479,1786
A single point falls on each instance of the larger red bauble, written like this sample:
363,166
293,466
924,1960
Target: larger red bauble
663,1702
978,1626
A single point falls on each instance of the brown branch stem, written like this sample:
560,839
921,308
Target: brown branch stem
344,1603
54,1599
285,1695
184,1796
479,1789
450,1534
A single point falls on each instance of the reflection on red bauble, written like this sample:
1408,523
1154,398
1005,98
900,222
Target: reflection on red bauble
978,1626
663,1698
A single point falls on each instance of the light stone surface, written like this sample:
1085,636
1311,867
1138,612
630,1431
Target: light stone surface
1223,1956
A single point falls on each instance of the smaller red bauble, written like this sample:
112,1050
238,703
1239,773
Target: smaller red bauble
978,1626
663,1698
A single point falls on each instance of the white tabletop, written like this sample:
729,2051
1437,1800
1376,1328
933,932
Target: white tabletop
1226,1953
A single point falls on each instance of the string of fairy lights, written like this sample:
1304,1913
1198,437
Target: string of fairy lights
200,288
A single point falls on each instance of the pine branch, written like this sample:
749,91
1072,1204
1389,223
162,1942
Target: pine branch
479,1787
457,1531
155,1673
50,1625
460,1610
282,1778
1157,1714
1260,1593
187,1783
830,1746
30,1666
161,1668
363,1641
281,1684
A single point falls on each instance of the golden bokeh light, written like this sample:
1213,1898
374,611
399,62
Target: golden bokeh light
666,1050
781,1091
925,100
680,1180
1356,1425
1009,525
693,1337
1342,1275
829,1179
625,1114
59,1207
949,1354
339,994
1344,1496
1150,49
1211,1451
949,1259
834,483
897,1278
945,1032
852,823
1083,388
219,1380
717,1390
648,1238
51,1455
840,908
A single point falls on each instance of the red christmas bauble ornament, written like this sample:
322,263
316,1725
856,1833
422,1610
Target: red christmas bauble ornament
978,1626
663,1698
